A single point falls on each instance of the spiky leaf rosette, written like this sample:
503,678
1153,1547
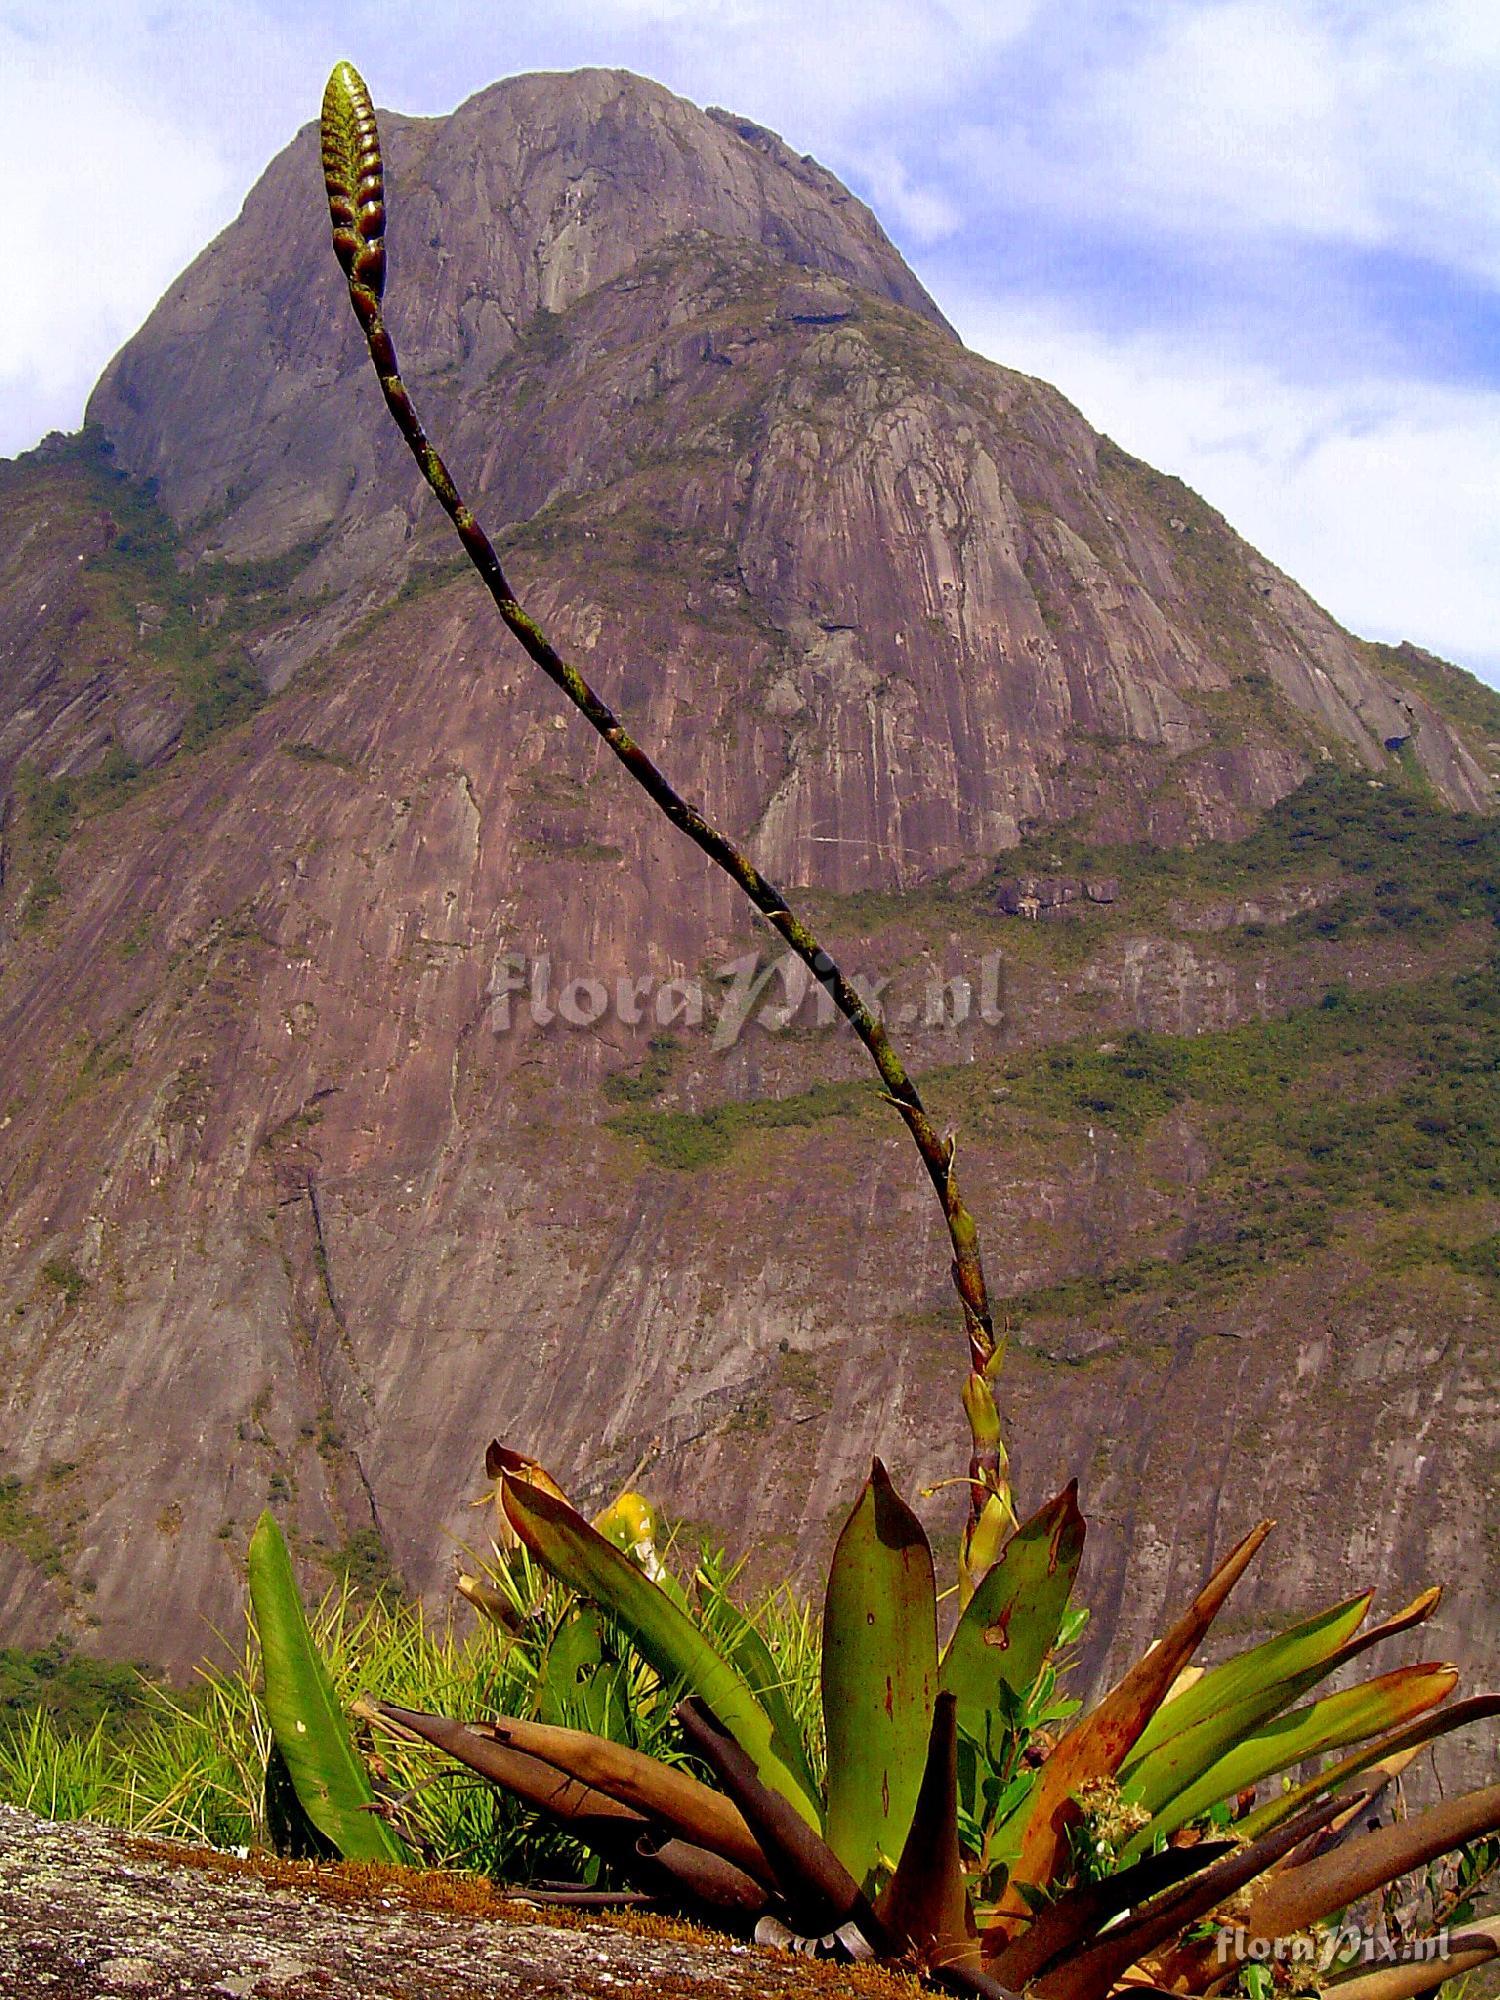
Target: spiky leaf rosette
990,1893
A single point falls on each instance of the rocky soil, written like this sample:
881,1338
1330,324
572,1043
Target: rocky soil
86,1913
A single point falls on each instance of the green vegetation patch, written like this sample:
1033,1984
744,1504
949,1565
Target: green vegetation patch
64,1276
691,1139
362,1568
1306,1121
1125,1086
648,1079
27,1531
144,563
75,1691
426,577
189,621
1409,864
544,338
50,809
1476,1260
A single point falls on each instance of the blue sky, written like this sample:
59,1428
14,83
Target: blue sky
1258,241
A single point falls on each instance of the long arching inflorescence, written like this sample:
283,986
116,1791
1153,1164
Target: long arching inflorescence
354,173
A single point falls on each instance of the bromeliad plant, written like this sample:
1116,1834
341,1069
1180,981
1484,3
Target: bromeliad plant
944,1824
948,1830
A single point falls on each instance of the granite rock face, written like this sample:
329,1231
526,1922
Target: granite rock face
87,1913
249,379
907,521
302,1203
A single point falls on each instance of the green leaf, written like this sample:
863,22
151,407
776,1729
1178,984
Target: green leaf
1227,1703
577,1555
879,1677
579,1688
1013,1619
1258,1685
1330,1724
1223,1687
309,1727
766,1678
1098,1744
1398,1745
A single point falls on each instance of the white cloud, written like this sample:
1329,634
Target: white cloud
1237,116
104,201
1371,123
914,211
1378,495
822,72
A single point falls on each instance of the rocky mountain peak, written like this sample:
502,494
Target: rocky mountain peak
241,393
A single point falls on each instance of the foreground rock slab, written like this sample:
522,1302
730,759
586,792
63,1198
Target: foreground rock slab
88,1911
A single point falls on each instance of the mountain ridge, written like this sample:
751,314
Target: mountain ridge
290,1214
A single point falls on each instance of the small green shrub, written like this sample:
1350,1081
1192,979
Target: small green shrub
27,1531
64,1276
362,1567
544,338
648,1079
1477,1260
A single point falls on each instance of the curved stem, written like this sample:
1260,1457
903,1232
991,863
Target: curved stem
354,175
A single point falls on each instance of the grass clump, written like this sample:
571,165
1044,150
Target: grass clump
84,1740
314,753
